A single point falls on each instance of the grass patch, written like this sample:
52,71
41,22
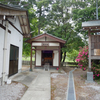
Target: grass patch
27,59
97,81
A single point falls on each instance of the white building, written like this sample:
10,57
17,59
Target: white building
14,25
47,50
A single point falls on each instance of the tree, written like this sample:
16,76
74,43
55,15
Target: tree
83,11
60,26
42,7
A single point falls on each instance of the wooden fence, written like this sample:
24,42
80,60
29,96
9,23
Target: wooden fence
27,62
69,64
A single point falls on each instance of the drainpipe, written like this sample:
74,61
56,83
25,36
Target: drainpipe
4,53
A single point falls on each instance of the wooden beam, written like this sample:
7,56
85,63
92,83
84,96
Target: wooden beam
5,11
26,35
89,69
59,55
46,41
95,57
91,27
45,49
3,27
23,25
93,31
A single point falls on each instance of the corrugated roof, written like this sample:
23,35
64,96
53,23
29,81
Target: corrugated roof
10,10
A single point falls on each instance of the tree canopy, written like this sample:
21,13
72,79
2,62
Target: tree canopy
62,18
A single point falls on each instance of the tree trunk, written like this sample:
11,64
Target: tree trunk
64,56
61,56
38,29
39,24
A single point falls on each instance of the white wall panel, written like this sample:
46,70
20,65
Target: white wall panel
16,39
56,58
38,58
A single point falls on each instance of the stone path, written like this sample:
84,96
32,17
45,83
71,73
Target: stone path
71,89
40,88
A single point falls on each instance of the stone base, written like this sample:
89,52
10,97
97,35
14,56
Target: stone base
20,70
0,81
89,77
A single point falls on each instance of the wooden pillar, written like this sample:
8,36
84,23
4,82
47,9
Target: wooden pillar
89,69
31,59
59,55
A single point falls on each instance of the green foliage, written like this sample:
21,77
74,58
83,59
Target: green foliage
15,2
82,58
84,11
72,55
96,70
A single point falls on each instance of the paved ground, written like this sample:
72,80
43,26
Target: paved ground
25,77
40,88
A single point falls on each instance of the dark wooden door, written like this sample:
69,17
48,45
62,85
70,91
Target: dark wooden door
13,64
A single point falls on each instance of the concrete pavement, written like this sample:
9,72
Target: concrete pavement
40,88
25,77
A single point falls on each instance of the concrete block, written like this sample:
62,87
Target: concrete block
89,77
8,81
0,81
20,70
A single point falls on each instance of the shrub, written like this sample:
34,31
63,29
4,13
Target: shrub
96,70
82,58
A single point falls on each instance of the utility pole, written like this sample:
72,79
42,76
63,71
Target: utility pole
97,9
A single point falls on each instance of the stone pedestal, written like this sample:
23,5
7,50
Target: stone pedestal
89,77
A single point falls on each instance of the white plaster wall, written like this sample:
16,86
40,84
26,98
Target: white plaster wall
16,39
49,39
1,49
40,44
38,57
41,39
56,58
36,44
53,44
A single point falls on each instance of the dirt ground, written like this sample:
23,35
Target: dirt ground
59,86
84,91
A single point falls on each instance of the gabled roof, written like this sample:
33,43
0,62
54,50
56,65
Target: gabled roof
11,11
45,35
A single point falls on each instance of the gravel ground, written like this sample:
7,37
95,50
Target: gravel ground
59,86
13,91
85,91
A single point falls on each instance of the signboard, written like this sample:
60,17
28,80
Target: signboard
45,44
97,52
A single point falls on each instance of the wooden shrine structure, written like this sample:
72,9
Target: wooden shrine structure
47,49
93,28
